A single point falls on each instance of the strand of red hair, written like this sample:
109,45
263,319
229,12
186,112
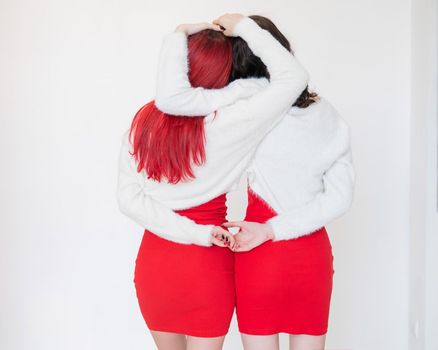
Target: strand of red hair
168,146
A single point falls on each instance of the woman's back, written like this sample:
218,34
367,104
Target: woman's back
232,135
289,163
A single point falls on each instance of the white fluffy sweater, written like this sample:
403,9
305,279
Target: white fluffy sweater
232,136
303,167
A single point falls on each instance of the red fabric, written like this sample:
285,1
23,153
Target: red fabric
283,286
187,289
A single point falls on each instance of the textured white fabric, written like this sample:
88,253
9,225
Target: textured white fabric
303,168
232,136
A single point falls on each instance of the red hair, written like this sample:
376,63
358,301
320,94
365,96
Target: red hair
167,146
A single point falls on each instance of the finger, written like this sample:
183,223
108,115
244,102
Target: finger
216,27
242,240
243,249
229,240
233,246
217,242
240,248
244,246
234,224
223,231
224,236
247,243
236,246
219,231
218,236
217,20
206,25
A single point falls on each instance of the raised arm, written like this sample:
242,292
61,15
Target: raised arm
328,205
135,201
288,78
175,95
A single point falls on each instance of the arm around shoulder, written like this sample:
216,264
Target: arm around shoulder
174,92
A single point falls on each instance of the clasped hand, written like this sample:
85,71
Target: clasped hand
250,235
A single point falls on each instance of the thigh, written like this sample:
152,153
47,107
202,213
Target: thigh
260,342
202,343
169,341
306,342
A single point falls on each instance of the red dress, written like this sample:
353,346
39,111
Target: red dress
187,289
284,286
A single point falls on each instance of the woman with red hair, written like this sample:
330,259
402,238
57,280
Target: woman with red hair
174,173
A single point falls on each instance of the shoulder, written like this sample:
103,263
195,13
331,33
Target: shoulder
341,128
323,119
329,114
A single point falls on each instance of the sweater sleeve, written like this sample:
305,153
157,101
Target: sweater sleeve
327,205
174,93
136,202
256,98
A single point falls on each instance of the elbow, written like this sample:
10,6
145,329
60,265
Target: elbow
302,77
165,99
163,103
171,104
123,204
297,79
122,207
337,205
345,203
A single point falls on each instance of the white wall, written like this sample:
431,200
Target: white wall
423,307
424,177
72,76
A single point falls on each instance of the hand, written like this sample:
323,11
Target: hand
194,28
251,234
222,237
228,22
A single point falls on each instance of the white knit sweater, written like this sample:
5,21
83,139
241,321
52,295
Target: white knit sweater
232,136
303,168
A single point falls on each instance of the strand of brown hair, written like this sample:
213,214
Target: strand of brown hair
306,98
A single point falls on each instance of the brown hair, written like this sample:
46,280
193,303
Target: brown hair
246,64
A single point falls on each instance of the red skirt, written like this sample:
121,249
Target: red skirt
284,286
187,289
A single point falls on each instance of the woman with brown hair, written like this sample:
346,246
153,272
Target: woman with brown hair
300,179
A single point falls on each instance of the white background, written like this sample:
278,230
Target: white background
72,75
